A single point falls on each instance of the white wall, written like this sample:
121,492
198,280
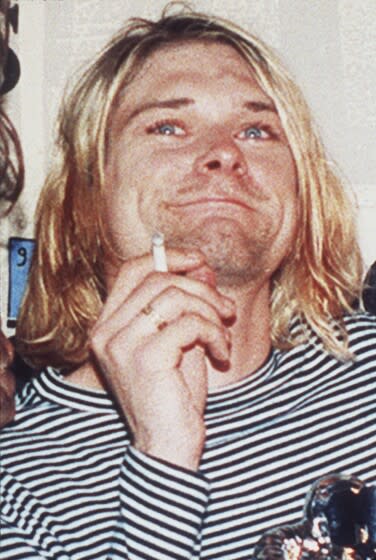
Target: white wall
329,45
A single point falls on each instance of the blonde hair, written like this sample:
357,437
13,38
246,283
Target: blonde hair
318,282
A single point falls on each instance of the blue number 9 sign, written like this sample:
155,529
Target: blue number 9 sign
20,253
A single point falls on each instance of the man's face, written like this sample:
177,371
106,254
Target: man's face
197,152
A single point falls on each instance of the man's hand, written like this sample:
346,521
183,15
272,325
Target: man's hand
7,381
151,342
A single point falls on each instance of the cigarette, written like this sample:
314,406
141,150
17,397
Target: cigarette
159,252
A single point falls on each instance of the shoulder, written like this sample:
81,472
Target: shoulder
361,331
27,397
32,402
360,319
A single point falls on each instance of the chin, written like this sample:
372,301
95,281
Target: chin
232,272
236,257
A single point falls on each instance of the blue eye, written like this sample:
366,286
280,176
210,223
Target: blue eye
253,132
166,129
258,132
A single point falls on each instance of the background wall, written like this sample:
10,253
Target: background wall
329,45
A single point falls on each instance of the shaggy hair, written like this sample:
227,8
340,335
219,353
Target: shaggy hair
317,284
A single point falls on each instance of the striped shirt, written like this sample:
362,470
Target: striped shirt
74,488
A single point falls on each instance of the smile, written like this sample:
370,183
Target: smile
212,202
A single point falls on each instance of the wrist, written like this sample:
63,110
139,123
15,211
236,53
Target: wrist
181,450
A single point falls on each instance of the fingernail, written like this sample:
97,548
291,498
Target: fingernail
194,257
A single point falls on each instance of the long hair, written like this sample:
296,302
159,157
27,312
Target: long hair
317,283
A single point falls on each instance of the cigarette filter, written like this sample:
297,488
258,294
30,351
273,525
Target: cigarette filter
159,252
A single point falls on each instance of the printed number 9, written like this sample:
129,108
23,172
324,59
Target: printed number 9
23,254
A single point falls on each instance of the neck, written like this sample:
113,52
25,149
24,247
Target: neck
251,342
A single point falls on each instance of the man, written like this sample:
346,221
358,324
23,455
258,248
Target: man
181,414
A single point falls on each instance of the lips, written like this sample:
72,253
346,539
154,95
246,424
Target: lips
211,201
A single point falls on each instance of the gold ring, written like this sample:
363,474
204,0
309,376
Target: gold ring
150,312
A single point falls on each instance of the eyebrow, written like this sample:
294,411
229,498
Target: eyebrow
255,106
167,104
258,106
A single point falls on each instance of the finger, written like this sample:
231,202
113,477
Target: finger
174,301
179,261
185,295
164,349
165,308
134,271
204,274
170,301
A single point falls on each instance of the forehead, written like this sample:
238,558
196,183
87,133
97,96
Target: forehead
192,64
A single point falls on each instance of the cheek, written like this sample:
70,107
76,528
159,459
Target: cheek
281,177
150,173
279,172
290,219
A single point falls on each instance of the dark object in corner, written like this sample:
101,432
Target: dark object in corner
369,291
22,371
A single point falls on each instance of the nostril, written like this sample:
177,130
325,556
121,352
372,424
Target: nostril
212,165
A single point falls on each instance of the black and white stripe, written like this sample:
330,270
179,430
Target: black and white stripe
74,488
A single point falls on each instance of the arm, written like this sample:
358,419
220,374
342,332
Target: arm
162,508
159,378
155,363
160,516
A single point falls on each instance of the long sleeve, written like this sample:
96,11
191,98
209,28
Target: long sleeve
28,530
162,508
160,516
74,488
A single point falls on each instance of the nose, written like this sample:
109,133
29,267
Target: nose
222,157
